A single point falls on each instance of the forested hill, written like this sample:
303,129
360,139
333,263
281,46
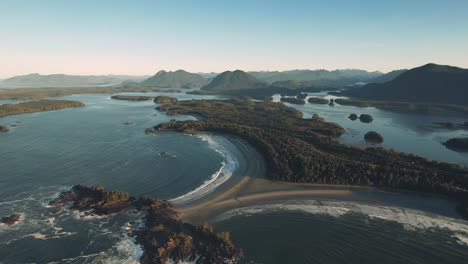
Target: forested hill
177,79
430,83
234,80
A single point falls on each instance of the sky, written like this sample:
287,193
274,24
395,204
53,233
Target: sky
139,37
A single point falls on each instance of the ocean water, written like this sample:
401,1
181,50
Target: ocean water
49,152
410,133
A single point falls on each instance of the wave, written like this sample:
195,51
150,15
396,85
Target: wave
410,219
228,166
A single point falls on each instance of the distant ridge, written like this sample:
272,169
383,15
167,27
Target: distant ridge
177,79
62,80
234,80
388,76
429,83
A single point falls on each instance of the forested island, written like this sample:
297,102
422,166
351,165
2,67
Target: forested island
39,93
292,100
164,237
457,144
132,97
37,106
304,150
162,99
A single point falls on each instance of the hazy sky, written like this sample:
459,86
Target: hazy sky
142,37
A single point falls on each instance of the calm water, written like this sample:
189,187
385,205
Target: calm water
51,151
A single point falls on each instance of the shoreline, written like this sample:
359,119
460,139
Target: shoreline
249,186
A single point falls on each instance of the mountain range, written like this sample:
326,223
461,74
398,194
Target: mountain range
430,83
63,80
176,79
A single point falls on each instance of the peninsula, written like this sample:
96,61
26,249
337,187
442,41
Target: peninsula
37,106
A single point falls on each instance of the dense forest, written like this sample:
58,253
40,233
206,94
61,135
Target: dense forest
37,106
304,150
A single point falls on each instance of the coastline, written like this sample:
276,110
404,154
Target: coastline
248,186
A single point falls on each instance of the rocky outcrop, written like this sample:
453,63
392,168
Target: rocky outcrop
457,144
11,220
4,129
353,117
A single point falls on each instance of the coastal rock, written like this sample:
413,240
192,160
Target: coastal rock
365,118
457,144
11,220
4,129
332,102
353,117
162,99
373,137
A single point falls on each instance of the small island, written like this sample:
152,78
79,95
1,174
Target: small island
37,106
317,100
292,100
164,237
353,117
132,97
332,102
11,220
162,99
365,118
4,128
457,144
373,137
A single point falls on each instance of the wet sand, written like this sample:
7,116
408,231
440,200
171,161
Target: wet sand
248,186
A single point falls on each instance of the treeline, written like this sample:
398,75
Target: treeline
39,93
37,106
303,150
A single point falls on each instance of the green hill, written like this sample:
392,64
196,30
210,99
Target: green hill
430,83
234,80
177,79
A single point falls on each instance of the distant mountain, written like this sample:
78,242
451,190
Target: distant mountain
388,76
234,80
63,80
293,84
318,77
429,83
177,79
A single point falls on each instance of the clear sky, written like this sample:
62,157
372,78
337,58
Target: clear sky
141,37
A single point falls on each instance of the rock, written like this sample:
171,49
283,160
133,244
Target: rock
457,144
373,137
365,118
131,97
4,129
353,117
164,99
150,131
332,102
11,220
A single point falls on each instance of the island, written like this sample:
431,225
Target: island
4,128
164,236
292,100
132,97
457,144
332,102
317,100
303,150
37,106
353,117
162,99
373,137
11,220
365,118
